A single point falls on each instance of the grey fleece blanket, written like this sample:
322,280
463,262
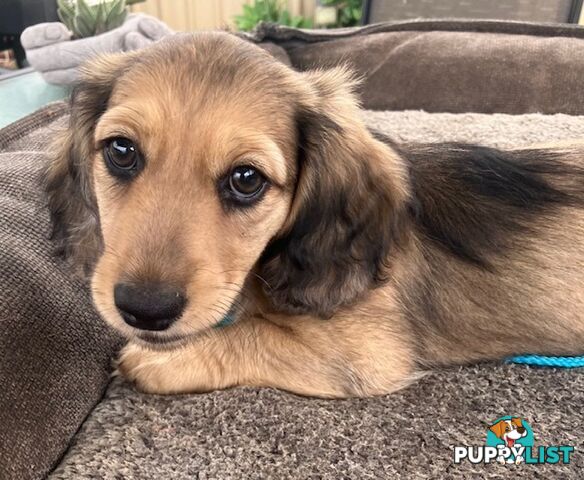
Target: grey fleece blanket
264,433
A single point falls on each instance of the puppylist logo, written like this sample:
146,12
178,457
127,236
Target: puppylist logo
510,440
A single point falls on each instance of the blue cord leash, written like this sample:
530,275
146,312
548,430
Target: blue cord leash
545,361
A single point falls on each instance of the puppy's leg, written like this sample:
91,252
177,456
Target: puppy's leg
340,357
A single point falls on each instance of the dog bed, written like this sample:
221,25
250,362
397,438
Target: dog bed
457,66
265,433
55,352
243,432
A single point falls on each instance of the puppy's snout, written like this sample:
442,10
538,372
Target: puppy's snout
521,430
149,307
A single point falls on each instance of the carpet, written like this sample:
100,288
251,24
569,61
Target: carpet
264,433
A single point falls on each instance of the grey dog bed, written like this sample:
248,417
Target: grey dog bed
55,352
264,433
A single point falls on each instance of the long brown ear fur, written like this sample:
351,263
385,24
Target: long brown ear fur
348,210
68,183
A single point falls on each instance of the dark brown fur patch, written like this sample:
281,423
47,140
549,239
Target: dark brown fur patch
340,242
471,200
68,181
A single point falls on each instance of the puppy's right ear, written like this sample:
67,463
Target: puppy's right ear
67,180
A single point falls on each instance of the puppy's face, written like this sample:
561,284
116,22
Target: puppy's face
204,164
193,177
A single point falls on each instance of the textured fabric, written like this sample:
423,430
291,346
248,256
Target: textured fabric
54,350
531,10
451,66
264,433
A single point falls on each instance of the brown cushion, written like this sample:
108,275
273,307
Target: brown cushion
55,352
451,66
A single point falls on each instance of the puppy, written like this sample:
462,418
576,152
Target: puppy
241,226
509,431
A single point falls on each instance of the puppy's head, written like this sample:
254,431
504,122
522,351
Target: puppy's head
201,164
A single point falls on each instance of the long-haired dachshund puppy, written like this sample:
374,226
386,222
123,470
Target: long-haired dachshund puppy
242,226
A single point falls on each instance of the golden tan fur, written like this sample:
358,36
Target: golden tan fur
349,277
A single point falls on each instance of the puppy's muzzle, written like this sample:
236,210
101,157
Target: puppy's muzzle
149,306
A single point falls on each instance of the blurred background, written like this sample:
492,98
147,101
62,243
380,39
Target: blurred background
79,27
202,14
188,15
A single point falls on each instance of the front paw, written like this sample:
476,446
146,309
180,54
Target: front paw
188,369
147,369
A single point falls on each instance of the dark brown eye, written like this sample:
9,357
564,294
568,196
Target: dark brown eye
122,157
246,183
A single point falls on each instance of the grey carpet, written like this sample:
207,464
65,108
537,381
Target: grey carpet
264,433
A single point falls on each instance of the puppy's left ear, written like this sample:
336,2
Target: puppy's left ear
349,206
67,180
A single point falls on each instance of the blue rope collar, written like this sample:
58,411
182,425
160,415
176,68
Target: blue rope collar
545,361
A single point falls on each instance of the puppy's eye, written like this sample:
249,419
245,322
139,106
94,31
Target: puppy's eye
122,157
246,183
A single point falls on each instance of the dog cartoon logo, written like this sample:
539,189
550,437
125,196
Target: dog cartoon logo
512,432
510,440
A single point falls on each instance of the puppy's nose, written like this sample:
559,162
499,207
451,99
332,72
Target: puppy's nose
521,430
149,306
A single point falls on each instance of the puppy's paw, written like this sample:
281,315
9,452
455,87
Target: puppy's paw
187,369
147,369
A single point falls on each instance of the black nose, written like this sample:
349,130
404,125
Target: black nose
521,430
149,306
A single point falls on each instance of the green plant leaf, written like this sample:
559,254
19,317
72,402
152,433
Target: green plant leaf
116,15
84,11
267,11
66,12
285,18
99,11
66,7
116,21
81,28
84,20
66,19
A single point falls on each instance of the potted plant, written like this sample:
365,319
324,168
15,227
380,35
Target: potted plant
271,11
87,28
